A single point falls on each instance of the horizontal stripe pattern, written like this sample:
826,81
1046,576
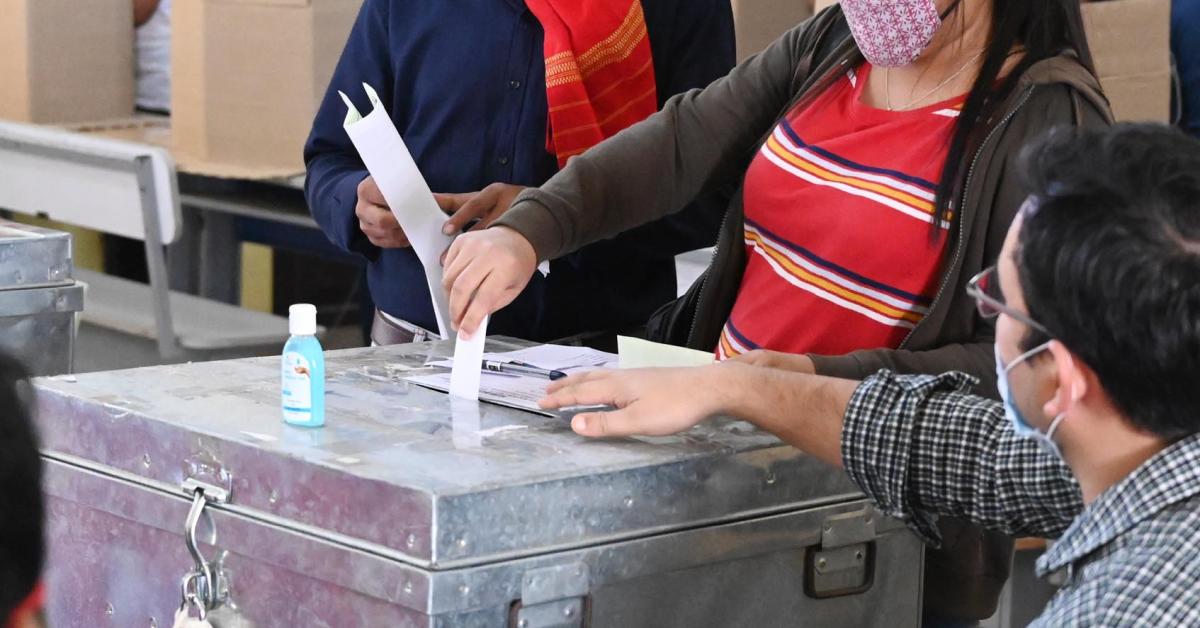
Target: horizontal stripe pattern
909,196
864,297
843,239
733,343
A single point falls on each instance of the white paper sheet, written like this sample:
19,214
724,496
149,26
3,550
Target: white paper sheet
512,391
638,354
387,159
468,363
523,392
465,423
550,357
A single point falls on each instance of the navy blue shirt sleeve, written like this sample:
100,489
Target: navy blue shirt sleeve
1185,44
334,169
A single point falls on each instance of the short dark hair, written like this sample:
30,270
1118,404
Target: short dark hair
22,547
1109,263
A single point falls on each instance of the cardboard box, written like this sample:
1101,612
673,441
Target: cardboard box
819,5
1130,42
247,76
758,23
66,60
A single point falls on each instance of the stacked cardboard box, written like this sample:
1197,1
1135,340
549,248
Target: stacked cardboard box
760,22
66,61
247,76
1130,41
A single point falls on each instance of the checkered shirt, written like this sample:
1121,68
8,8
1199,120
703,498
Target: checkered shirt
922,446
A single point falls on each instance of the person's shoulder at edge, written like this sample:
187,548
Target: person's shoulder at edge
1155,568
1067,71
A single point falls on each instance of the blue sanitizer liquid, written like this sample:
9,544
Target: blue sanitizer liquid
303,371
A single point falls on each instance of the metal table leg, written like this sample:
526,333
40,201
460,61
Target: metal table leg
183,256
220,259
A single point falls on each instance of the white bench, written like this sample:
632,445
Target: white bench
126,189
201,325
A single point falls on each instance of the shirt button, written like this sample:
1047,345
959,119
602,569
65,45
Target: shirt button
503,161
514,84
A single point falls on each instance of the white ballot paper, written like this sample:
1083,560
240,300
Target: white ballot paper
519,391
550,357
468,363
390,164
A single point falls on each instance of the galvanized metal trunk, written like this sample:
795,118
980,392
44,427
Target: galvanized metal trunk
38,298
411,510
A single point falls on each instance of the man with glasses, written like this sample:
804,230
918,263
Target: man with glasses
1096,301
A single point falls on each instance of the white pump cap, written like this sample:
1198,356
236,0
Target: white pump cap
302,319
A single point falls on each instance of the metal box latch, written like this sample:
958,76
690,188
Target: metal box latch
844,563
554,597
206,586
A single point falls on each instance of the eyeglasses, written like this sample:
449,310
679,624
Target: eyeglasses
989,300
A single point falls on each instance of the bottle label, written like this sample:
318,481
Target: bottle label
297,388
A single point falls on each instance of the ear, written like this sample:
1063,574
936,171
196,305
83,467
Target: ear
1074,380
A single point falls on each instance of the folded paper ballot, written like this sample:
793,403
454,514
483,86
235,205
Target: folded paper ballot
637,354
406,192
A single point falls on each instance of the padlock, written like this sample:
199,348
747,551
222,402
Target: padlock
227,616
191,602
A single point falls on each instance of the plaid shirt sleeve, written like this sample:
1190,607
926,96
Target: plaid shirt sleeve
923,446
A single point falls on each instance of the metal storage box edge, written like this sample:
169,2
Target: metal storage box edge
39,300
401,514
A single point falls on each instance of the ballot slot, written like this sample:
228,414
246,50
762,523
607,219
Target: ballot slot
512,390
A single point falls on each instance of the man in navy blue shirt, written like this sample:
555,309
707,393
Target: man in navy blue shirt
464,82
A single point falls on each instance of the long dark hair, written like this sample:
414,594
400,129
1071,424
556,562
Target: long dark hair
1044,29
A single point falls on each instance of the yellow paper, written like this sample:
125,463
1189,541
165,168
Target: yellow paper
636,353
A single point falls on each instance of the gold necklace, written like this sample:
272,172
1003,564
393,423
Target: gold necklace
887,84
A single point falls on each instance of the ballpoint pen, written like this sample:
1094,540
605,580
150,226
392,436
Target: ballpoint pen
521,368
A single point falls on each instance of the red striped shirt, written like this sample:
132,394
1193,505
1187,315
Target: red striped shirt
840,218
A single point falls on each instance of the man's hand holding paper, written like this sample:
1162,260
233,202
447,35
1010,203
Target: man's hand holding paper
377,221
375,218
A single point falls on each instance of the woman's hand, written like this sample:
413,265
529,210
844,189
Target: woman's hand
484,271
650,402
796,363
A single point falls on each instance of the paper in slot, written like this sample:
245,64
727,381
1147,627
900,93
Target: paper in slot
408,195
468,363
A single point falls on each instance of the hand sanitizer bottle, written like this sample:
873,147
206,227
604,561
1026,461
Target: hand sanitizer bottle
303,397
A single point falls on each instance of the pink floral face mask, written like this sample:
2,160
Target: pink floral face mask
892,33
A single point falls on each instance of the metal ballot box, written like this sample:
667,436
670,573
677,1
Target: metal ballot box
38,298
410,509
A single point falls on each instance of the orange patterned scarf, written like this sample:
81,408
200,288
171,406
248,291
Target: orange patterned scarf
599,71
